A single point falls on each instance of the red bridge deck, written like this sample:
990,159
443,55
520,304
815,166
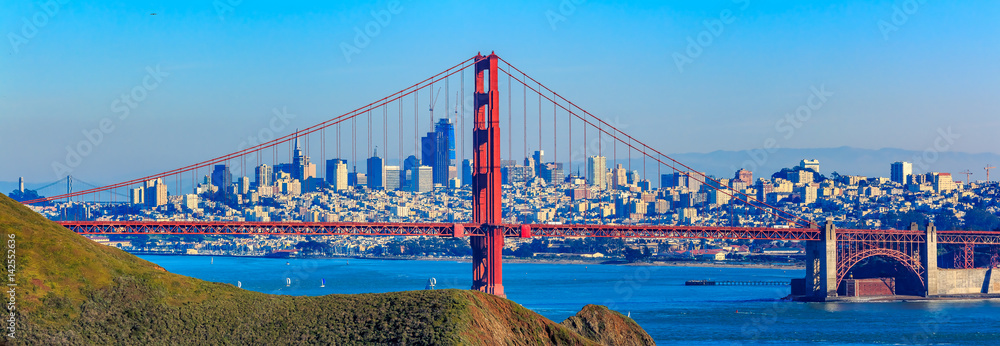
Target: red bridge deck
513,230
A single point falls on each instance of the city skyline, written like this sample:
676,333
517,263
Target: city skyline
168,108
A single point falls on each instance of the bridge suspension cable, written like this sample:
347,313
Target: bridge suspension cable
283,139
628,141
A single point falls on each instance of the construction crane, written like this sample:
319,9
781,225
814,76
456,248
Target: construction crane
433,102
988,168
457,103
968,176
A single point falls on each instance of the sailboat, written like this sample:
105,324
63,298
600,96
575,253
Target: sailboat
213,260
239,284
288,282
322,283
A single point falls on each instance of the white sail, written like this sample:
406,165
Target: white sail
239,284
288,281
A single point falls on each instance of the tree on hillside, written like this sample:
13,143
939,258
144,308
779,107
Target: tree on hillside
27,195
981,220
903,221
945,219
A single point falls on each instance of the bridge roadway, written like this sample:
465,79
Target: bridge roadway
516,230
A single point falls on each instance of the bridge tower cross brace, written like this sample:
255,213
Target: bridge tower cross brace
487,250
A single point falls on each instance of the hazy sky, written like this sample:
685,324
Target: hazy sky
684,76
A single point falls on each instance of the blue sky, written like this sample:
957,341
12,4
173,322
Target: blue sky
929,67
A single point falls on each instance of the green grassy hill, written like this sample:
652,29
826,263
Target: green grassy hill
71,290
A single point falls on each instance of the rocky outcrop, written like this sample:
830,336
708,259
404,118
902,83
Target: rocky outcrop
607,327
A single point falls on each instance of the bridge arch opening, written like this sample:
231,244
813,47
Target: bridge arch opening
906,270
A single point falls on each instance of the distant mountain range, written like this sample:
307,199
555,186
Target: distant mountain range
844,160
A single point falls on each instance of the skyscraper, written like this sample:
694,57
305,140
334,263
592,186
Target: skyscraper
552,172
406,177
376,171
618,177
136,195
243,183
221,177
538,156
900,171
336,174
596,168
264,175
423,179
392,176
438,149
466,172
155,192
300,163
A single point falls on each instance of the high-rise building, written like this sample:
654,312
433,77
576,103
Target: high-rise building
744,176
300,168
423,179
942,182
552,172
632,177
137,196
190,201
719,197
357,179
438,149
376,171
596,168
643,185
807,193
809,164
763,188
221,177
668,180
618,176
800,176
467,172
537,157
900,171
688,180
243,183
264,175
155,193
336,174
392,176
406,178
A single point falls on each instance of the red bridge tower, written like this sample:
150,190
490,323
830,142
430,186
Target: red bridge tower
487,251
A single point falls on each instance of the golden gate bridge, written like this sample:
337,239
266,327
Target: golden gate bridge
831,252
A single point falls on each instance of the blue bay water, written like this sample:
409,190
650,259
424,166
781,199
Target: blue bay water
655,296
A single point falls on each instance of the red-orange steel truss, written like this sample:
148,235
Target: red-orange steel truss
851,253
965,257
508,230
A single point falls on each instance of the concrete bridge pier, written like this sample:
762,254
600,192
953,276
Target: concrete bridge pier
821,264
928,258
